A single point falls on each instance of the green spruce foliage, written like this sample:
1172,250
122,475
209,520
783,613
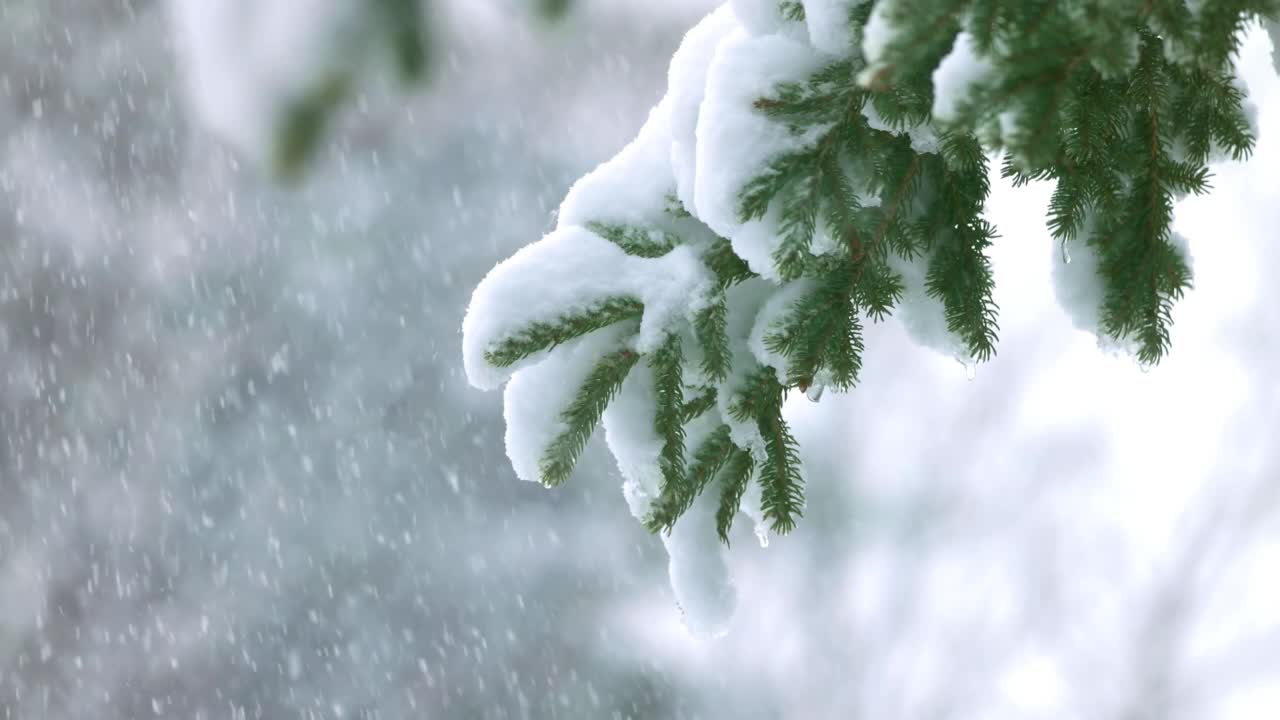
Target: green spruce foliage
1120,103
583,414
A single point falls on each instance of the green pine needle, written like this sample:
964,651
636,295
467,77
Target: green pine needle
725,265
709,328
583,414
820,332
540,336
634,240
734,479
782,486
792,10
697,406
676,498
667,363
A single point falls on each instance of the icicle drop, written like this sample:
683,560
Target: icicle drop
814,392
970,368
762,534
1066,253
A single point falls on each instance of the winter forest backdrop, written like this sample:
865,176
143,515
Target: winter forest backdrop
242,474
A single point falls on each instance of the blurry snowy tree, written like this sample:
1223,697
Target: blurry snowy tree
238,466
270,76
819,164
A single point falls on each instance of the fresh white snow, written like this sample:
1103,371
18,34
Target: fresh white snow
828,24
955,77
699,574
758,17
878,34
687,80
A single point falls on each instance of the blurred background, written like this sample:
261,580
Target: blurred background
242,474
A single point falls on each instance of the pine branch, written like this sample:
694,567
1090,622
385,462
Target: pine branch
792,10
675,208
759,192
709,328
821,331
877,289
800,200
667,364
634,240
676,498
409,45
734,479
700,404
782,497
541,336
960,276
728,268
304,124
905,188
959,271
583,414
1143,273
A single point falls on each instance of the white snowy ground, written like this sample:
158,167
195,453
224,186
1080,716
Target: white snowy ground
1064,536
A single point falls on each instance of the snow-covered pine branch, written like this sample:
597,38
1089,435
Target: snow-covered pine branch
817,165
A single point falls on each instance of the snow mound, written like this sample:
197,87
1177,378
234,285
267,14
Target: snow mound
956,76
634,442
699,575
687,79
828,25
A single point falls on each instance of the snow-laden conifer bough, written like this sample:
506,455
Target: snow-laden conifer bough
814,165
818,165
